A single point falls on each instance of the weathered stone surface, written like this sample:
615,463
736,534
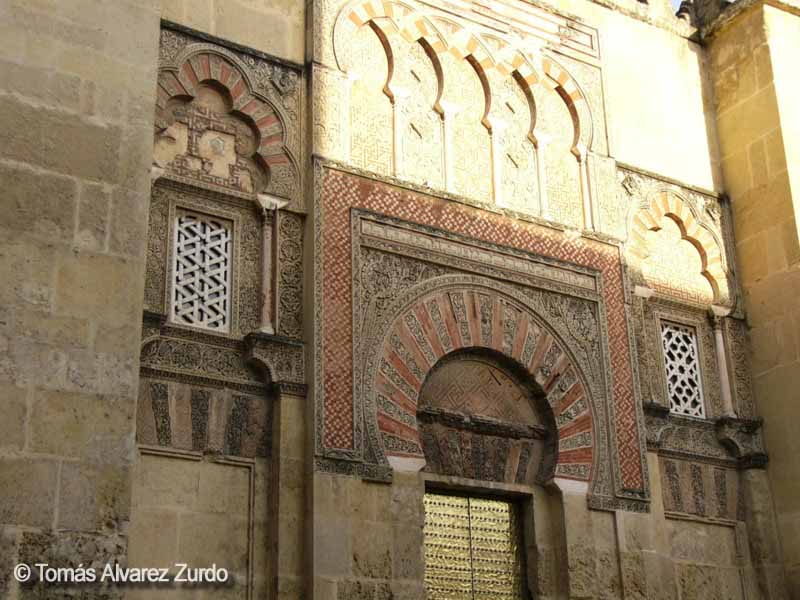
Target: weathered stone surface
12,426
29,491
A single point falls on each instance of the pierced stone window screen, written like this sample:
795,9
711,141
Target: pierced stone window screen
682,363
201,282
472,549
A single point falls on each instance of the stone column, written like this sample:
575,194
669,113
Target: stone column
498,126
717,314
450,111
542,140
269,205
586,192
399,97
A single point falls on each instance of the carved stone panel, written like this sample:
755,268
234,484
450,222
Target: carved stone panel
228,120
203,419
171,199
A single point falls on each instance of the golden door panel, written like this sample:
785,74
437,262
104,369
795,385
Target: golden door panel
472,549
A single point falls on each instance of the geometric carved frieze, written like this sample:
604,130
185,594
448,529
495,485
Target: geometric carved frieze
726,441
404,239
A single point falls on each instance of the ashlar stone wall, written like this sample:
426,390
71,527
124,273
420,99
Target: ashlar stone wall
76,114
757,119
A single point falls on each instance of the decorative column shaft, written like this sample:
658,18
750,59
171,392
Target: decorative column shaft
498,126
269,235
586,192
450,111
542,140
717,314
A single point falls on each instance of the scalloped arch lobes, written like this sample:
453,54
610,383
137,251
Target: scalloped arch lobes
447,320
205,67
665,204
415,26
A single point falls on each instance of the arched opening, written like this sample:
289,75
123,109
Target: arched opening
481,416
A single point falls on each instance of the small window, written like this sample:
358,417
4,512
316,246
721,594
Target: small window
472,549
682,363
202,272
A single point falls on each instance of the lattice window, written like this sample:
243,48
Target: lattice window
682,362
202,272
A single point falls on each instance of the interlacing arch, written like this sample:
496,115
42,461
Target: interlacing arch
205,66
414,25
668,204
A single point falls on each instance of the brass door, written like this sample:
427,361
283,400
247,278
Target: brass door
472,549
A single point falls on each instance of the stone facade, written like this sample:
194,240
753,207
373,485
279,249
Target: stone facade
275,271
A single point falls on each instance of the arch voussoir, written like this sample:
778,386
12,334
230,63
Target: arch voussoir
440,322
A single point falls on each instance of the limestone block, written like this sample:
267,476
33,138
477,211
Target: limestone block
70,549
81,425
372,550
332,494
59,90
128,215
370,501
153,538
29,491
408,560
400,590
324,589
94,497
27,268
699,581
79,147
39,203
98,287
116,338
763,534
276,27
8,558
634,577
163,482
406,499
608,579
582,571
660,572
702,543
65,332
332,546
290,588
12,425
355,590
21,131
206,538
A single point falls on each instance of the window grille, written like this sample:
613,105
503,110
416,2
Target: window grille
472,549
682,362
202,270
